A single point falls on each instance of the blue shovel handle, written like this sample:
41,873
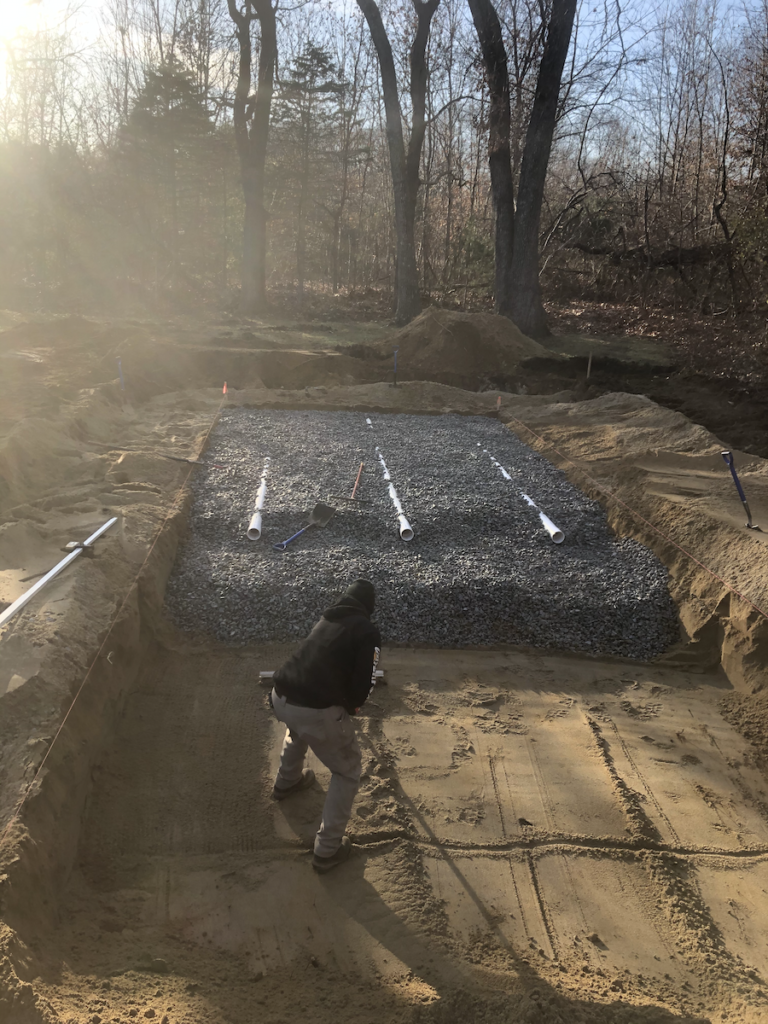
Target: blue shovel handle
729,461
284,543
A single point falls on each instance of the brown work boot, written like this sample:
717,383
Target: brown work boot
306,780
323,864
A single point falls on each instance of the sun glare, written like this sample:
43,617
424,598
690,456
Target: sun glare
18,15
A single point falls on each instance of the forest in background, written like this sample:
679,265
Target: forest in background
120,187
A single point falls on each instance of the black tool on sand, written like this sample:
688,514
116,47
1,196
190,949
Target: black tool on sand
320,515
730,463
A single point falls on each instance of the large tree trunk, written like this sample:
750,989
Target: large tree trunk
405,168
526,307
518,294
251,119
418,66
499,151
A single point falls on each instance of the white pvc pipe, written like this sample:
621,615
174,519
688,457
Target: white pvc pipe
557,535
554,532
254,527
405,528
387,476
19,603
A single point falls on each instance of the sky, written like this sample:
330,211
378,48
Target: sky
20,15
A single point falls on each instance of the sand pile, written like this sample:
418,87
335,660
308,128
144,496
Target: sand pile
463,349
56,333
69,354
69,333
72,353
33,456
332,369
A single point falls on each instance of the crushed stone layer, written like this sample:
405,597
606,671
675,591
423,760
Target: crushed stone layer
480,570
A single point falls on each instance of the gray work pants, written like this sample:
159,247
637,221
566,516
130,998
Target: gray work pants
330,735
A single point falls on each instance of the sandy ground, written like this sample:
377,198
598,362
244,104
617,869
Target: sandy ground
538,837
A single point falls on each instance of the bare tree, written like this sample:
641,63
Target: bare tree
518,293
404,163
251,118
494,56
654,190
526,306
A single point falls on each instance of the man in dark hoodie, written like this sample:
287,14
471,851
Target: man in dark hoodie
327,680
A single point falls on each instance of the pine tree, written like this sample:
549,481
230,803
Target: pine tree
166,146
306,120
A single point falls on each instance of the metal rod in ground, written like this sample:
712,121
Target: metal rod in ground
731,464
589,365
19,603
357,480
554,532
254,527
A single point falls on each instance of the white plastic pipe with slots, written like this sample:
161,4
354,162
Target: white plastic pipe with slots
254,527
554,532
405,528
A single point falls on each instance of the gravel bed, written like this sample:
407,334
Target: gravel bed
480,569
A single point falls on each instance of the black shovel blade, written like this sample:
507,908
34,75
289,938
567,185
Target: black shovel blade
321,514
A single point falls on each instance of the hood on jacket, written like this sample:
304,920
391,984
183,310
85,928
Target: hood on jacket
363,591
345,607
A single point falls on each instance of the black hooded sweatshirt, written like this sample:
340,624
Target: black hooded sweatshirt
336,664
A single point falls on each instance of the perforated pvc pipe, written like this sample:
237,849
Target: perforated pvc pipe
404,527
254,527
554,532
19,603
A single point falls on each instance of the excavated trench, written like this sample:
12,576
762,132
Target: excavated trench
540,835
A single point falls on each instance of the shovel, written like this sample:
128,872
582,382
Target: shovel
319,516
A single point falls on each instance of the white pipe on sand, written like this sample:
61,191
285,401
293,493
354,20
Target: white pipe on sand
554,532
254,527
19,603
406,530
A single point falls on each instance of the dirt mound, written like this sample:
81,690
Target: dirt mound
749,713
463,349
332,369
152,367
68,332
61,330
34,455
